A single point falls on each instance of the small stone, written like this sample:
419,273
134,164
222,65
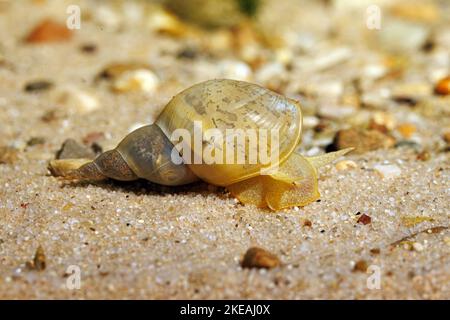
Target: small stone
384,119
259,258
411,221
115,70
447,240
8,155
307,223
362,140
375,251
443,87
408,144
418,246
424,156
35,141
49,31
78,100
403,36
387,171
364,219
333,111
235,70
346,165
39,261
138,80
88,48
163,21
188,53
406,130
39,85
446,136
360,266
71,149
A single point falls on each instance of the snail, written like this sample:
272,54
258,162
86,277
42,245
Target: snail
167,152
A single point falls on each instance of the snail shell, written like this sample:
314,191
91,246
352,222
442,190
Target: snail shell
220,105
229,104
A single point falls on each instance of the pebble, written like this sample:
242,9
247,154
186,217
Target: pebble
424,156
418,246
259,258
8,155
411,221
165,22
35,141
71,149
236,70
89,48
78,100
345,165
49,31
362,140
138,80
332,111
406,129
446,136
114,70
107,17
387,171
443,86
39,261
402,36
364,219
270,71
360,266
384,119
39,85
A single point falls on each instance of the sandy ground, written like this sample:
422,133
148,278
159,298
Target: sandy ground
137,240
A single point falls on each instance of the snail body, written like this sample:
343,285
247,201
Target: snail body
160,154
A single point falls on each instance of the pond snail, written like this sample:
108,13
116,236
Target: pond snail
227,108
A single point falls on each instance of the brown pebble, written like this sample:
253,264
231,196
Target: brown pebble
39,261
424,156
8,155
114,70
379,127
307,223
360,266
49,31
39,85
71,149
375,251
35,141
50,115
443,86
446,136
88,48
259,258
364,219
362,140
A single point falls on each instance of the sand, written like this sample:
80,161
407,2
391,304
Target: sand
136,240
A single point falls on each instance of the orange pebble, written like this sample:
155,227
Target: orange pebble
406,129
443,86
49,31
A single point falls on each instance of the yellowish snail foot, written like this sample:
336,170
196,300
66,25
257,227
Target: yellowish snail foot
293,184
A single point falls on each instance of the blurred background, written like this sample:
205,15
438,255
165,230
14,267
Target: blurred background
363,63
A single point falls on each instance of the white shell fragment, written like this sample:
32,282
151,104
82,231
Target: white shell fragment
78,100
387,171
136,80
